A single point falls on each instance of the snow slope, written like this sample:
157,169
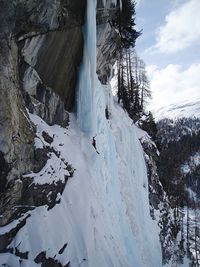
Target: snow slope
186,109
103,215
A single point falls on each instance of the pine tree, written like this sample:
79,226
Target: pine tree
124,21
133,84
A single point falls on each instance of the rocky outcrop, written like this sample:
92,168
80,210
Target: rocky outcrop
151,154
16,131
107,41
21,196
160,208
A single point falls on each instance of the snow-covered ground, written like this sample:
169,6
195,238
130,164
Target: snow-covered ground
103,215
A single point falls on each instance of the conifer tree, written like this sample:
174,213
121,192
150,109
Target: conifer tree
124,21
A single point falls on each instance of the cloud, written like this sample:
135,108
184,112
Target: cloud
172,84
181,29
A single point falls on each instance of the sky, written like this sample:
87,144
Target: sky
170,47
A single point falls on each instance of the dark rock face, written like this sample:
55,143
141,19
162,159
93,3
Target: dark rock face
55,56
35,16
59,71
16,131
156,192
4,170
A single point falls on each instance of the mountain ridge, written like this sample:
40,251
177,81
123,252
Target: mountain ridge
179,110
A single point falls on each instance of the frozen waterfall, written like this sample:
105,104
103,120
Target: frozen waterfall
102,217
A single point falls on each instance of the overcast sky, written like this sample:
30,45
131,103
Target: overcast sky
170,47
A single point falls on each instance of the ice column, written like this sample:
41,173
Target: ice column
87,76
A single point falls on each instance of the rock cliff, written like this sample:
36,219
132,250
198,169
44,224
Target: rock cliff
41,46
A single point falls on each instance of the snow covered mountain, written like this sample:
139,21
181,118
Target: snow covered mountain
185,109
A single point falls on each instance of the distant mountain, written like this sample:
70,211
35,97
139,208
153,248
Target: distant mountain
185,109
173,130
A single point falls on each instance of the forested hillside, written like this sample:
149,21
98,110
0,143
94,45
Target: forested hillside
178,141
